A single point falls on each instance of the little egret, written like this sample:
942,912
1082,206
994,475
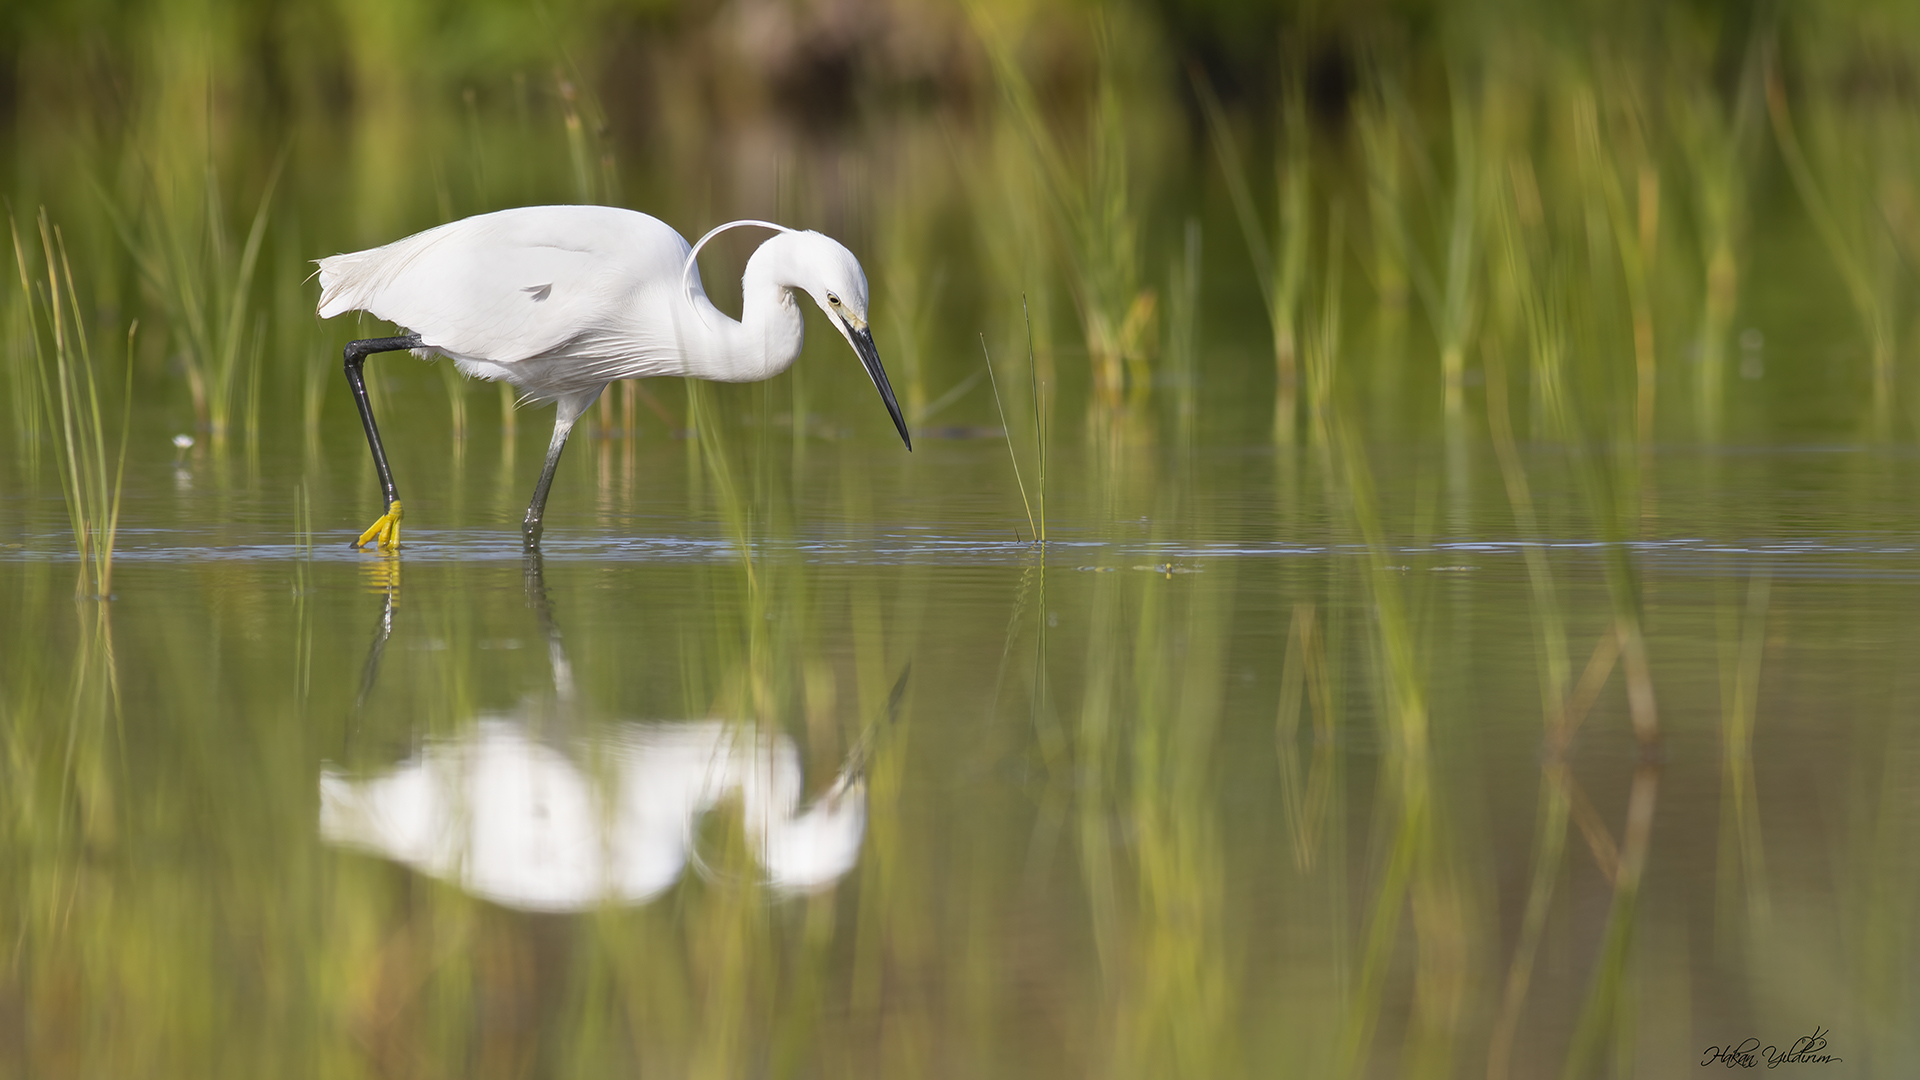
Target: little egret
561,300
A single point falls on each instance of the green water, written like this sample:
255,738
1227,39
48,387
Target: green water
1086,845
1538,704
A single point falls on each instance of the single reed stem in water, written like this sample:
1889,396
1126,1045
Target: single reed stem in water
1039,416
1006,431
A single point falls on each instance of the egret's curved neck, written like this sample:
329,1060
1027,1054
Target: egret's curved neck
767,338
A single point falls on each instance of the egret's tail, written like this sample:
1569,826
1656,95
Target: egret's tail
346,282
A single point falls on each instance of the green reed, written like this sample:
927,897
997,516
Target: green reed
987,358
1183,335
1322,352
1280,274
1380,115
186,256
1609,481
1551,649
1543,303
1850,225
1096,213
1451,302
69,392
1416,877
915,287
1036,524
1634,224
23,388
1717,142
1010,204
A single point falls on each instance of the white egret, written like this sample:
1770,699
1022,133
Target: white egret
561,300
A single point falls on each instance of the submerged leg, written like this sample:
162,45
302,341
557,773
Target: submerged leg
387,529
566,412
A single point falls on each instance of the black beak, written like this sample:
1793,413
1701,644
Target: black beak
870,359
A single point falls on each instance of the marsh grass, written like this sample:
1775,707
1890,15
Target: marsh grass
1323,353
1551,659
1561,802
1011,206
915,286
23,387
1416,876
1496,206
1608,479
69,392
1381,123
1451,300
1279,267
1096,213
1033,526
1846,216
1635,223
1183,336
1040,414
1717,142
187,258
1036,523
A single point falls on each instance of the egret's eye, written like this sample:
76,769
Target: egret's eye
832,299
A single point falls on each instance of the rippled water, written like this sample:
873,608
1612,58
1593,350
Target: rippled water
1120,803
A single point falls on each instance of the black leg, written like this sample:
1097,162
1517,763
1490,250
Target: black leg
356,356
566,412
536,509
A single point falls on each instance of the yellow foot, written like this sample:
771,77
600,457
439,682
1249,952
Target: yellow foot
386,530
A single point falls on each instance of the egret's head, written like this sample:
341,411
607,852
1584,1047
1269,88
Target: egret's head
830,274
825,270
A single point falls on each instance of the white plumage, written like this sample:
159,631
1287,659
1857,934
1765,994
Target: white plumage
610,821
561,300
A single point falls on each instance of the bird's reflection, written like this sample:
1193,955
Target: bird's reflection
513,820
548,824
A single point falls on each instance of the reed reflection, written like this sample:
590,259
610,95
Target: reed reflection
524,812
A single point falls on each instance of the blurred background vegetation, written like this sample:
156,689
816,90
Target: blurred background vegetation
198,155
1300,316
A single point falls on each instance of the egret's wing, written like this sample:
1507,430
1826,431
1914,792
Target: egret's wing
513,285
